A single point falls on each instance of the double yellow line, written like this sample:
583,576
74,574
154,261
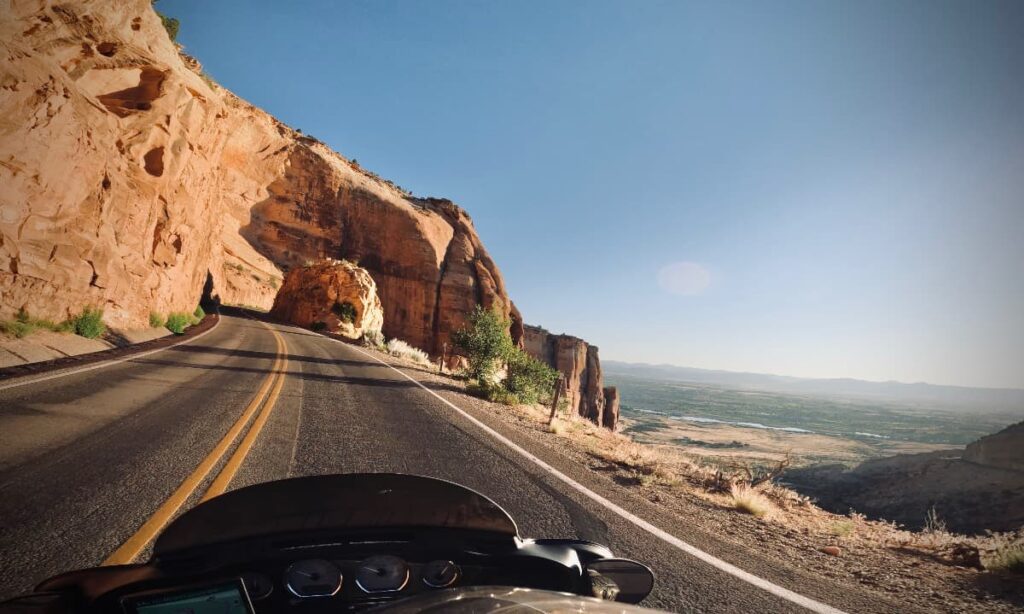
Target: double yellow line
266,396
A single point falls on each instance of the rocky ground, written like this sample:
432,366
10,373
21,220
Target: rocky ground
934,571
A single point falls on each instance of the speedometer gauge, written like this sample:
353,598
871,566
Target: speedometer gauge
313,578
382,574
440,574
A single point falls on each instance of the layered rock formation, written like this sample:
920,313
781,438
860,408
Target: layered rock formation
977,489
334,294
126,178
580,367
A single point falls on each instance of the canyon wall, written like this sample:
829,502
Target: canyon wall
580,366
1002,450
127,178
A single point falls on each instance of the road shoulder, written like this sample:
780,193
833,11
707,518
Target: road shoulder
861,579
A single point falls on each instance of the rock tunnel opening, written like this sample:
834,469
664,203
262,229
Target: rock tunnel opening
210,300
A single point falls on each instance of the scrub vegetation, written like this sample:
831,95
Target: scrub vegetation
401,349
24,324
156,320
489,351
88,323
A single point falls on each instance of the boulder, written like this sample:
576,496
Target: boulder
334,295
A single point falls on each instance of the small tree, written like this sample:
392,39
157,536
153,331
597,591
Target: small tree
529,379
485,342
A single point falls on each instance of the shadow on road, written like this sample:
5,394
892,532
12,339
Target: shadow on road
334,379
205,349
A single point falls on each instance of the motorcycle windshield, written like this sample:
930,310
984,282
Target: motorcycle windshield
334,502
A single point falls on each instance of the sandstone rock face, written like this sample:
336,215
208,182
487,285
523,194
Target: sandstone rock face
580,365
336,293
1003,450
611,407
126,178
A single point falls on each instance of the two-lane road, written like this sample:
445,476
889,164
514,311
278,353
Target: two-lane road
92,461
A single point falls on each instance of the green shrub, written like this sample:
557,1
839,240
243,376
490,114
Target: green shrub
346,311
485,342
24,324
529,379
1009,558
171,24
318,326
156,320
89,323
198,314
16,328
178,322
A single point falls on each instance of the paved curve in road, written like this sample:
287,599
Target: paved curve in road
87,459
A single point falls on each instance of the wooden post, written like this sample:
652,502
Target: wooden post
444,358
554,402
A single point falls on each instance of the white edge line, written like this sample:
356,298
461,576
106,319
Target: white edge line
759,582
107,363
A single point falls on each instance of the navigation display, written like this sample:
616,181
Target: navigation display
228,598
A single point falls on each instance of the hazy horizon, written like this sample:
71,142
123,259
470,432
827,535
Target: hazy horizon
613,362
814,189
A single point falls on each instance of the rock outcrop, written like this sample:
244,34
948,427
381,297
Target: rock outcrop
333,294
611,408
127,178
972,490
1003,450
580,367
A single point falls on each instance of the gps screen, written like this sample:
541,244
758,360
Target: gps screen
219,599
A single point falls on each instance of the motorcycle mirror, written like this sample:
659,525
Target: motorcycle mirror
620,580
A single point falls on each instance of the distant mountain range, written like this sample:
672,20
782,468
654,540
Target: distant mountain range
955,397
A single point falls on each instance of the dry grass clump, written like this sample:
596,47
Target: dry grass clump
842,528
401,349
374,339
1006,556
749,500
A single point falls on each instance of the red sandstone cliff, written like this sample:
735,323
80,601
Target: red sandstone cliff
126,178
580,366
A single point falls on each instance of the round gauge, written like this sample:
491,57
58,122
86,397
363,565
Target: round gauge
440,574
258,585
382,574
312,578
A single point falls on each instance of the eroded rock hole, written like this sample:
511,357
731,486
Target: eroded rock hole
154,161
106,49
138,98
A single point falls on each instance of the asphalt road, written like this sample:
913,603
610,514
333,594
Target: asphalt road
87,459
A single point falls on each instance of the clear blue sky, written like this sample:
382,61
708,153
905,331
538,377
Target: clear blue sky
845,179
